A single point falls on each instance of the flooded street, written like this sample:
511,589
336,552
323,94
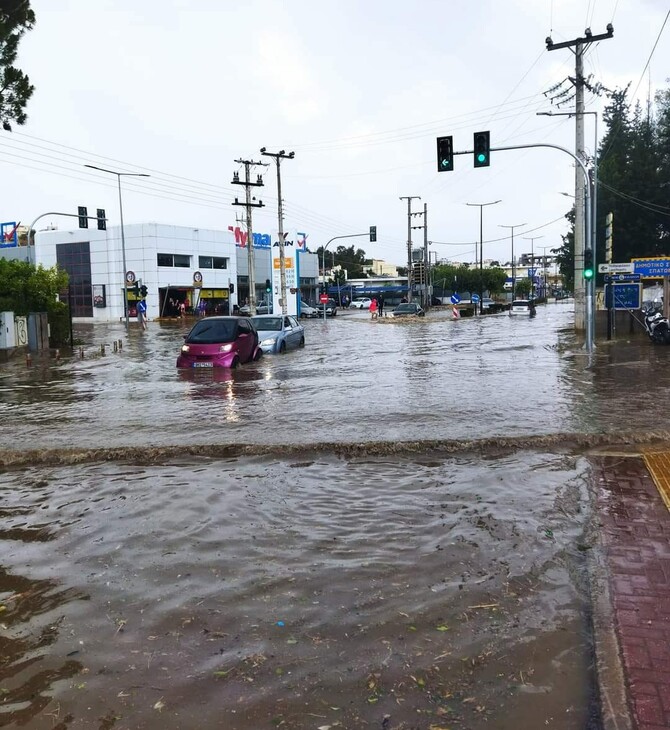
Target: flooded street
300,586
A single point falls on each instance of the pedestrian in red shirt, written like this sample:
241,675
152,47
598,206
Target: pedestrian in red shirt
373,308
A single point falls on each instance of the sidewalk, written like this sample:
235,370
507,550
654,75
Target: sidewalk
635,540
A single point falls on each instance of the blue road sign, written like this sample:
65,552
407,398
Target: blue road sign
475,298
623,296
455,299
614,278
652,268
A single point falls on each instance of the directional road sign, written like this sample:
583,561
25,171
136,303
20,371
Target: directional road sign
455,299
613,278
623,268
475,298
623,296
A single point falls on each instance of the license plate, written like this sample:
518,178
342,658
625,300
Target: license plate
202,364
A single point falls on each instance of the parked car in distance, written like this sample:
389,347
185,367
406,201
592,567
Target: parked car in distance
487,303
277,333
307,310
331,308
522,306
360,303
222,342
261,308
408,309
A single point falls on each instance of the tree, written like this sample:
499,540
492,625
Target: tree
348,258
24,288
523,286
16,17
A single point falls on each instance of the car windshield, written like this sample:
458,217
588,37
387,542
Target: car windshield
212,330
405,308
267,324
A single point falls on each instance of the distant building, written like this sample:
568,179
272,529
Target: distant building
379,267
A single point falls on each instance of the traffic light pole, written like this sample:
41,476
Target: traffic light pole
323,263
590,283
44,215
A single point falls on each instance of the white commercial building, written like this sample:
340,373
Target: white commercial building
175,264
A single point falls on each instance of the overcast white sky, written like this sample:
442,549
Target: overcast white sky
359,90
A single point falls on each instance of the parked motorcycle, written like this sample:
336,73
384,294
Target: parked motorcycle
656,324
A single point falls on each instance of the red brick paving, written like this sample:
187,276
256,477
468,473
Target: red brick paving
636,539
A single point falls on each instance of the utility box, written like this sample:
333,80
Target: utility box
7,332
21,330
38,331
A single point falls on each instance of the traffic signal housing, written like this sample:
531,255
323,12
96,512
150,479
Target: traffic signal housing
373,234
268,286
143,291
482,149
445,154
82,212
589,271
102,219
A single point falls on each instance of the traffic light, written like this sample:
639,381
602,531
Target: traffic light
588,264
232,288
102,219
143,291
373,234
82,212
445,154
268,286
482,149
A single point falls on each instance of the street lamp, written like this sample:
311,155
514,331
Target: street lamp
516,225
123,237
481,249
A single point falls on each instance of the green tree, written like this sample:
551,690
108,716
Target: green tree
349,258
523,286
16,17
25,289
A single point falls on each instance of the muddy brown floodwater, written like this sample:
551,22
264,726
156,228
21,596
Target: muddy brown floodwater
293,584
425,593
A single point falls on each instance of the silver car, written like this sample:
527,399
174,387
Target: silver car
278,333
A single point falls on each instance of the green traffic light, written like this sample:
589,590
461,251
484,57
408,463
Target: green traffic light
481,157
588,273
444,163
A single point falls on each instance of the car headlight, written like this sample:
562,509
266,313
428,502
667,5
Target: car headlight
226,348
185,348
269,341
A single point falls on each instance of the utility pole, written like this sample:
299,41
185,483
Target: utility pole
423,278
583,290
426,263
409,199
481,248
279,156
249,205
532,240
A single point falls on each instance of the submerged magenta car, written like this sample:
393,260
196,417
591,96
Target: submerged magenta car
220,342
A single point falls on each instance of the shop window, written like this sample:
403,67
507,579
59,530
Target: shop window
182,261
205,262
219,262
